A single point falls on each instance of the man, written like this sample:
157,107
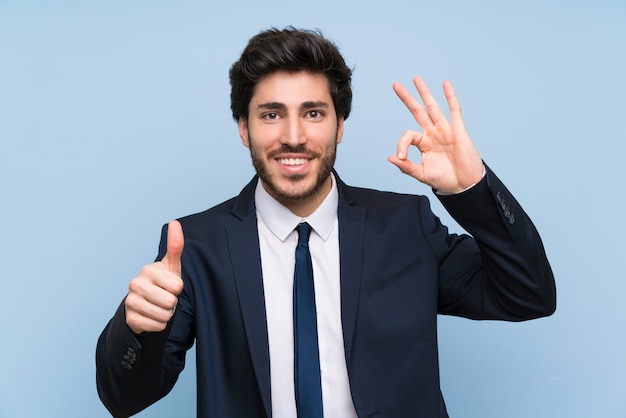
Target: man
383,266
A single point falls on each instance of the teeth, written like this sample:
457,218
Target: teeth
292,161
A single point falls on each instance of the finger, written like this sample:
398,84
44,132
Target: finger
417,110
434,111
456,117
156,304
175,244
407,139
140,323
156,285
149,307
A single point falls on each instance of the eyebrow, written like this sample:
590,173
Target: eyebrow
303,106
312,105
271,106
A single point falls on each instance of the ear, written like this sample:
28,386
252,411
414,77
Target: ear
243,132
339,129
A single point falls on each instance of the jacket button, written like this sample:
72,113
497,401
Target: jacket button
131,354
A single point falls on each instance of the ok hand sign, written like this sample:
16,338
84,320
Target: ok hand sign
450,161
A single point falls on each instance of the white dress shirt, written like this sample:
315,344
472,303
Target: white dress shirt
278,240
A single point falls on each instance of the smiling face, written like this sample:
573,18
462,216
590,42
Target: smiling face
292,131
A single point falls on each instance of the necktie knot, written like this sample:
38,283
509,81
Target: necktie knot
304,231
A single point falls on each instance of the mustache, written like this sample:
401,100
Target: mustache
288,149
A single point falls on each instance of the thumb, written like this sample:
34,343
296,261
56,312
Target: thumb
175,244
408,167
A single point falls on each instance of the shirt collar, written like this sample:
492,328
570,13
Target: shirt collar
282,222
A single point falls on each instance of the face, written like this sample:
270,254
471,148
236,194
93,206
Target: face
292,132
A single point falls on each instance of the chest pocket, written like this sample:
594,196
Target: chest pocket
394,277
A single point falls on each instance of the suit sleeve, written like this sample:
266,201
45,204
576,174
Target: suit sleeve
134,371
502,271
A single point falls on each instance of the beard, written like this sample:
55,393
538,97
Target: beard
294,187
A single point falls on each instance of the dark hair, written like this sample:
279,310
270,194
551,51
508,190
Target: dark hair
289,50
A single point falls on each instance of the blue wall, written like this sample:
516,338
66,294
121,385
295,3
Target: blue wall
114,118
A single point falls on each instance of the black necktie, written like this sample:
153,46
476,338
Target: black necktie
308,383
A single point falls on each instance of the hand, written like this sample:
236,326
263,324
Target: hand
153,294
450,161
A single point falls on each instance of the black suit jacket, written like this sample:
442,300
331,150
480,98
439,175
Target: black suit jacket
399,268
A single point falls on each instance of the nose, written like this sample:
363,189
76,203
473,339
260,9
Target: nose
294,133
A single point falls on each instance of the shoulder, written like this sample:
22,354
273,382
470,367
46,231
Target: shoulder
374,200
229,212
216,214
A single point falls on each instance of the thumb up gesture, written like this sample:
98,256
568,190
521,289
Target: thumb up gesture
153,294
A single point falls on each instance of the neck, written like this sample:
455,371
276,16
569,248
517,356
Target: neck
304,206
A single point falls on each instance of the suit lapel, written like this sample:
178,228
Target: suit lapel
245,255
351,238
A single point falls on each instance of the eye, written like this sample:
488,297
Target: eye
314,114
270,116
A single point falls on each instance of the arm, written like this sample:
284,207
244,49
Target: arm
502,273
132,368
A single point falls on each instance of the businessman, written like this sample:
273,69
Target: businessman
307,297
